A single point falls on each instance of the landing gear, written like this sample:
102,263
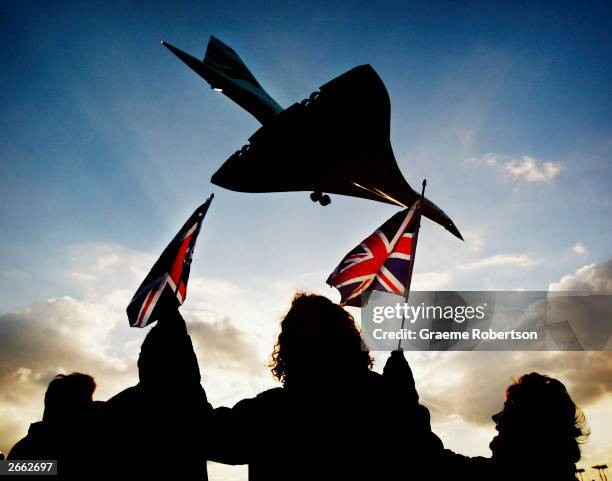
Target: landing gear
321,198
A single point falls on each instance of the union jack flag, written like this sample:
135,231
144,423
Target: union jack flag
382,262
165,287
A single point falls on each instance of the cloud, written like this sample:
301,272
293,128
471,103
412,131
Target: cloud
223,346
592,277
580,248
430,281
528,169
106,266
31,337
472,384
473,241
510,260
525,168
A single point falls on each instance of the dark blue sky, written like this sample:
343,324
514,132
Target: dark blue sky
106,138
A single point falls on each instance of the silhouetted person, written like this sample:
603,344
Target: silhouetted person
538,436
150,427
415,426
68,431
333,418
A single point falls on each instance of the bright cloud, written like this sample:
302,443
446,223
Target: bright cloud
509,260
580,248
528,168
592,277
525,168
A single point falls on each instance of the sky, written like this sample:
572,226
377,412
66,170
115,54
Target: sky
108,143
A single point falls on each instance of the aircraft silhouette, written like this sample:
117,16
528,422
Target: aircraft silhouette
336,141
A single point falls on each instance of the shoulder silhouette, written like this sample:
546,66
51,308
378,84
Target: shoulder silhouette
330,420
540,427
68,431
151,426
539,431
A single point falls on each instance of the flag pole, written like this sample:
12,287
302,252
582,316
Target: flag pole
407,293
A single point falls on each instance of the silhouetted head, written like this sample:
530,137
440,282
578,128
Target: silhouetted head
68,397
319,342
539,422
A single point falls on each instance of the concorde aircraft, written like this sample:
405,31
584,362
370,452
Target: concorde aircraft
336,141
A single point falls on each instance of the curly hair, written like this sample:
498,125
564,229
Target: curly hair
542,405
317,332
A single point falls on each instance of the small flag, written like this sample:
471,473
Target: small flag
165,287
382,262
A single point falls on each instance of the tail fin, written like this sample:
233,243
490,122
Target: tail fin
225,71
